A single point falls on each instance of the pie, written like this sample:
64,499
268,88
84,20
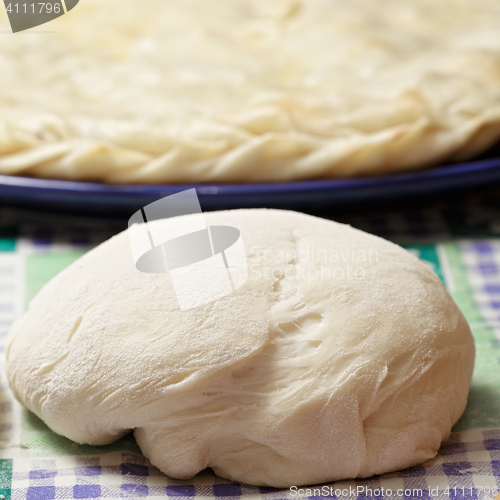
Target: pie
157,91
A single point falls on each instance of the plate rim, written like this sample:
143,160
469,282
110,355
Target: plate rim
474,172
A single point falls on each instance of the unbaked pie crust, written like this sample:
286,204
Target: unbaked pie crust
156,91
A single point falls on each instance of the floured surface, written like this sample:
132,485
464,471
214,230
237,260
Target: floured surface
301,376
190,91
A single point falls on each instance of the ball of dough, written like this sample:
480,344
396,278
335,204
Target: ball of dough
341,356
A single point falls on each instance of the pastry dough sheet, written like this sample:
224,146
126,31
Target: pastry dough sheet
249,91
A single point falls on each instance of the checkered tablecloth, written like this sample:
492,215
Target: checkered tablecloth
36,464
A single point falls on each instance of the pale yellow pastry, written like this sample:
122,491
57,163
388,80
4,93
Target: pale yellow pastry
157,91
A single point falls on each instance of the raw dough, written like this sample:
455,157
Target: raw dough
156,91
342,356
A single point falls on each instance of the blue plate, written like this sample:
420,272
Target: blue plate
88,196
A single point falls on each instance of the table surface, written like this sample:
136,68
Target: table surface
460,241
